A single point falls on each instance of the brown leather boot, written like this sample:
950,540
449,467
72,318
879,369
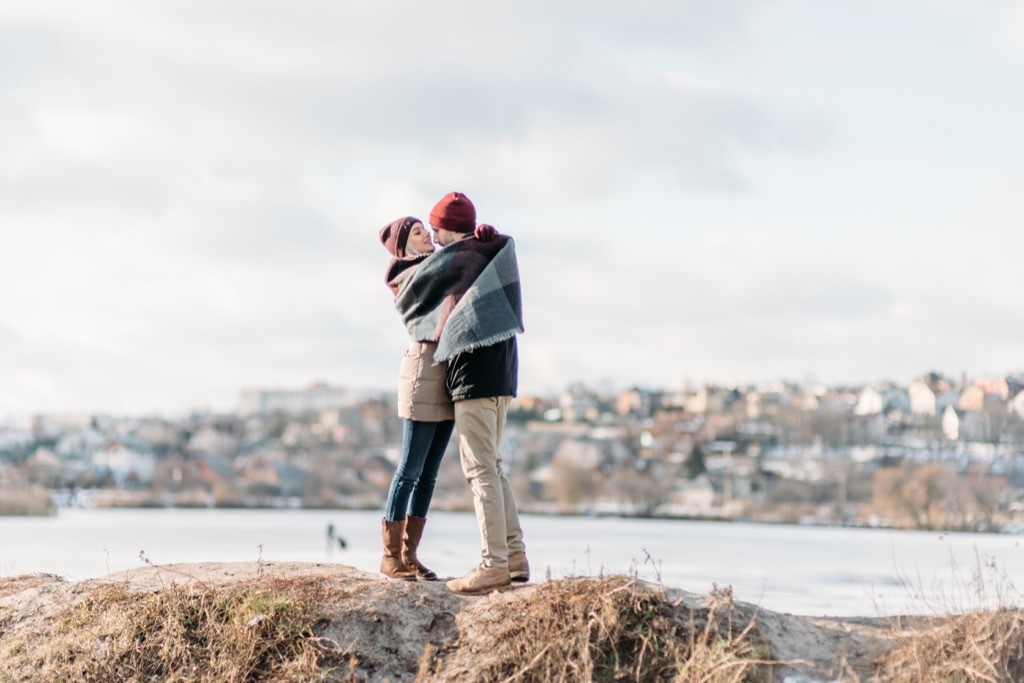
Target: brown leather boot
410,542
518,567
391,564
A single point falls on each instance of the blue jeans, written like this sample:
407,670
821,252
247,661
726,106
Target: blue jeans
423,446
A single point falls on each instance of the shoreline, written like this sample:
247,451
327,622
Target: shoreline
797,569
537,511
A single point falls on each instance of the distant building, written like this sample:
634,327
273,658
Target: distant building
768,400
984,395
316,398
972,398
951,418
209,440
53,427
966,425
13,439
713,399
869,402
80,443
922,398
161,434
124,464
1017,403
931,394
882,398
578,404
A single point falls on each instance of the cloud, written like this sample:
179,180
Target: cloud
762,303
195,190
138,102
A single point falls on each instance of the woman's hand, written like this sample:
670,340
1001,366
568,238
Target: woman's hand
485,232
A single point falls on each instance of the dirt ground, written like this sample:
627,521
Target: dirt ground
389,625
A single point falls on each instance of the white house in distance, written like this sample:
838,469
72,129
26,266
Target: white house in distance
966,425
124,463
1017,403
869,402
951,423
881,398
931,394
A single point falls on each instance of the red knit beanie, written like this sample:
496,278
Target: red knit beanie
395,234
454,212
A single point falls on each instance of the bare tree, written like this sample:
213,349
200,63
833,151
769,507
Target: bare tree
643,490
571,485
915,496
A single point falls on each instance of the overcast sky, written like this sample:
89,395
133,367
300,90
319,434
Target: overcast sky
715,190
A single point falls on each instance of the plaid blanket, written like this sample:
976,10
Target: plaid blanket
464,296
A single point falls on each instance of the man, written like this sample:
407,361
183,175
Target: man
478,322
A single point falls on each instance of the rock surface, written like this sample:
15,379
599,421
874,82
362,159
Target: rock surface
389,625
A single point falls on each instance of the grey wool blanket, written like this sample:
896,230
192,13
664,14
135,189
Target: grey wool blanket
464,296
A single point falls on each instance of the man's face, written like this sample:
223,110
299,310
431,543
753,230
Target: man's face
446,237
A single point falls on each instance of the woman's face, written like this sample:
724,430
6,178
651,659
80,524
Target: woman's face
419,241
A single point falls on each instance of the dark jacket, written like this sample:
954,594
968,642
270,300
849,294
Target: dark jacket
484,373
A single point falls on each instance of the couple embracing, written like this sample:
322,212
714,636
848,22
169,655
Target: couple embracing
462,307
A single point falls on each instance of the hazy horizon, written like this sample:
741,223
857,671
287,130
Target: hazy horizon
16,417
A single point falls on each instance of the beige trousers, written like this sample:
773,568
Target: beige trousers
479,424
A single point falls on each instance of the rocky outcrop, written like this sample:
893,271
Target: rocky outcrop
368,628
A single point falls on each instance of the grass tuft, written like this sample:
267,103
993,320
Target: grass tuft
255,632
964,648
607,629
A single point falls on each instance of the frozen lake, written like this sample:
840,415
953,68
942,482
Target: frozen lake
804,570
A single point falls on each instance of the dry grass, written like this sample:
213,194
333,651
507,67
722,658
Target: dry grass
255,632
974,647
579,629
603,629
981,638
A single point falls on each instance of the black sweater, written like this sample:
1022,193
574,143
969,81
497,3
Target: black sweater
486,372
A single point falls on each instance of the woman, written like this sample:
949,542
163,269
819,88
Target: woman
428,419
